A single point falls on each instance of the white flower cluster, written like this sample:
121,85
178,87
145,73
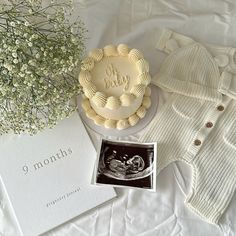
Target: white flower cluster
39,51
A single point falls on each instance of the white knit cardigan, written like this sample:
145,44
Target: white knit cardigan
198,122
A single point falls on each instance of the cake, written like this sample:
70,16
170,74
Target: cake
115,83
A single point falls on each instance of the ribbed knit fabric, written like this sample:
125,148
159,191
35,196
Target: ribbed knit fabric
228,84
197,125
200,81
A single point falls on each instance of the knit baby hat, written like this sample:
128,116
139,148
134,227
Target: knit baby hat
190,71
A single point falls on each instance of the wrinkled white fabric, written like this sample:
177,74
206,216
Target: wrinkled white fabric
142,213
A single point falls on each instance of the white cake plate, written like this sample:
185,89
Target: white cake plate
131,130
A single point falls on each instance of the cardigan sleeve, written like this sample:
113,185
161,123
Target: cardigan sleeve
169,41
227,84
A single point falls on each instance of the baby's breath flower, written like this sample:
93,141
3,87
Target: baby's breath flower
13,23
8,66
39,51
24,67
37,55
21,74
28,72
14,54
27,23
63,48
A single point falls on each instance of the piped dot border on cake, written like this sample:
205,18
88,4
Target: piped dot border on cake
111,102
117,124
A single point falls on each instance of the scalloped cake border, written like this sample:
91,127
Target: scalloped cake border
117,124
111,102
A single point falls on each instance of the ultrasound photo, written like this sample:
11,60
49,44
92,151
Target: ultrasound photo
126,164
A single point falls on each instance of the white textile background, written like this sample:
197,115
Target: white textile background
142,213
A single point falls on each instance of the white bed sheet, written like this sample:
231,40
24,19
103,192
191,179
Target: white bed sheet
142,213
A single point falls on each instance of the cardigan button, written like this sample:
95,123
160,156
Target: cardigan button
209,124
197,142
220,108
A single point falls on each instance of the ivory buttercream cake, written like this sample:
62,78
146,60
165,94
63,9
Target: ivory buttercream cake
115,84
